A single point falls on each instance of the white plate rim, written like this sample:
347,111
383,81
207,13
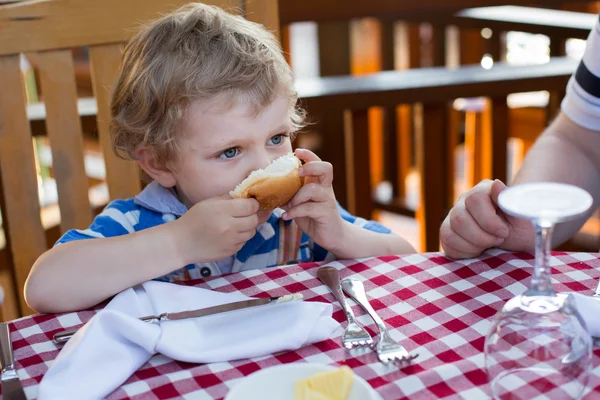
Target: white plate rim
320,368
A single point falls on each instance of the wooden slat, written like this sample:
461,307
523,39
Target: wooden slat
334,48
334,59
410,42
473,148
392,158
285,39
18,174
558,47
472,46
431,161
452,141
360,202
321,10
122,176
499,139
10,304
549,22
264,12
390,129
432,84
47,25
438,46
57,78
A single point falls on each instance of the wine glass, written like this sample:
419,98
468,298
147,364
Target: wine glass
538,346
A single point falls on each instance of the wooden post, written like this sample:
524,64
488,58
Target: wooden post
360,202
334,59
431,160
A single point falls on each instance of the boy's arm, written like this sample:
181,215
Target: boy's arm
96,269
358,242
81,273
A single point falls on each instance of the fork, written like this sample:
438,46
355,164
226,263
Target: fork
388,350
354,334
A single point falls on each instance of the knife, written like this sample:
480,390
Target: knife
64,336
11,385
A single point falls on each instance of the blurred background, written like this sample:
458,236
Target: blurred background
413,104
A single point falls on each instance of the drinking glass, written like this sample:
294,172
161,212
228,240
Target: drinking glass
538,346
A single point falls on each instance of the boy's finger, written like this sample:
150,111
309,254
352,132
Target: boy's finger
242,207
320,169
246,223
246,235
306,155
309,209
309,192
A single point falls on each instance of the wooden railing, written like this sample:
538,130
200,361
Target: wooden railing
332,10
350,97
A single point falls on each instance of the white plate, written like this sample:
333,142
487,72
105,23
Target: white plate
277,383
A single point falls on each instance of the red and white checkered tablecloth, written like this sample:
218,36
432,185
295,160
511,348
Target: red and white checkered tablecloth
437,307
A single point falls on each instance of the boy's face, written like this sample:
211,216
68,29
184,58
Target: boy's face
221,148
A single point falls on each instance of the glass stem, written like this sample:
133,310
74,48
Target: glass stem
541,284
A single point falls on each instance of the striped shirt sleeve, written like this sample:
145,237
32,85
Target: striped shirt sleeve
582,101
118,218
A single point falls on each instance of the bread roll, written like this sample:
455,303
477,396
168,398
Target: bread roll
274,185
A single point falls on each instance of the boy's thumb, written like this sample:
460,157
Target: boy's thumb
225,196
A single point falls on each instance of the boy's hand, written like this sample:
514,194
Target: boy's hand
476,223
216,228
314,207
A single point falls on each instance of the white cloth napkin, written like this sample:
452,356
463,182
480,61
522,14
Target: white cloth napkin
114,343
589,309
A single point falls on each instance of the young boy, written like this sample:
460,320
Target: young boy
203,98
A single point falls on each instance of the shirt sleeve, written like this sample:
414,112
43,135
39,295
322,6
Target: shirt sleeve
118,218
582,101
321,254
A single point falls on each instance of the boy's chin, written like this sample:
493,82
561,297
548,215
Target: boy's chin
263,216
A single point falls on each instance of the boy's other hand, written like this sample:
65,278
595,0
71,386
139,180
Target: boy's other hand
314,207
476,223
216,228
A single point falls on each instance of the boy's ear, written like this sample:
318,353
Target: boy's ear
160,173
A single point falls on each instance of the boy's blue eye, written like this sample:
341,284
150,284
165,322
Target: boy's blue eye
230,153
277,139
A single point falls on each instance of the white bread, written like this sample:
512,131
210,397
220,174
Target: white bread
274,185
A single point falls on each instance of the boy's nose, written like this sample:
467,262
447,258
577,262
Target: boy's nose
261,160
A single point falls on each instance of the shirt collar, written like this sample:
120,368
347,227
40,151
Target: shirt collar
160,199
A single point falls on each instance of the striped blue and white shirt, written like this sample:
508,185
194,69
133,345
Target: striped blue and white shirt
582,101
277,242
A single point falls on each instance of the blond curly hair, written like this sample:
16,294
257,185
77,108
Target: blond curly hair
198,52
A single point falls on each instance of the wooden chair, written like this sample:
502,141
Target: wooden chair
51,29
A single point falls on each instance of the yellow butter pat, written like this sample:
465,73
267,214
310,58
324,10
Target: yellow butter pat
331,385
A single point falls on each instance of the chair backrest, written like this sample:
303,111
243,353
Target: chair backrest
51,28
